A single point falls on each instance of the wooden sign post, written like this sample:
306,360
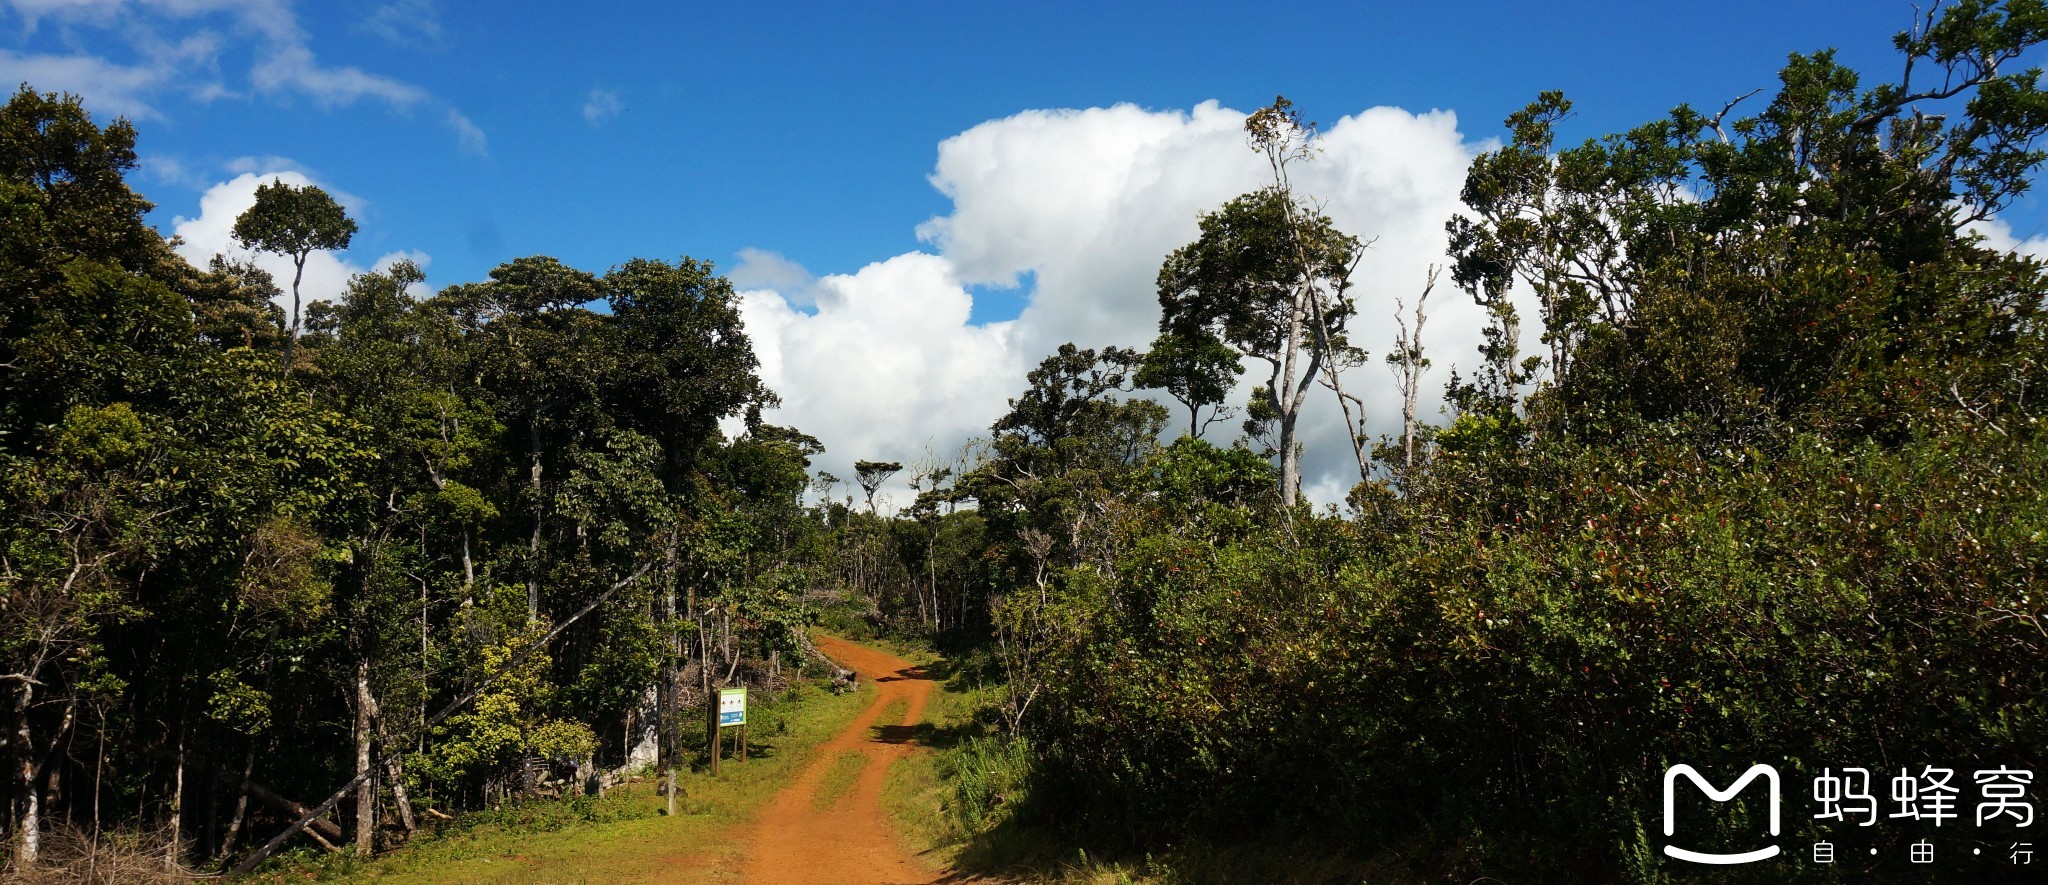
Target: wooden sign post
729,712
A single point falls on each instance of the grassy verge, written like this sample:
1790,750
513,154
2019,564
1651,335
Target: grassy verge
951,798
839,778
624,837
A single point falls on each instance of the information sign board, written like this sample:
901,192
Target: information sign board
732,706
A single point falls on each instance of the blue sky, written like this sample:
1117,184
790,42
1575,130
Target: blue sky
809,129
830,136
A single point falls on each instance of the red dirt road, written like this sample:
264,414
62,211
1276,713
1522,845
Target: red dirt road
850,842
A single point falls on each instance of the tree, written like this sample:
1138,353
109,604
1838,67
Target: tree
1795,251
189,537
1410,365
542,358
74,170
1269,276
871,475
293,221
1066,446
688,362
1198,371
234,305
1070,417
99,380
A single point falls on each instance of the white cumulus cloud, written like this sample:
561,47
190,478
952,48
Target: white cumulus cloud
887,364
1083,206
762,269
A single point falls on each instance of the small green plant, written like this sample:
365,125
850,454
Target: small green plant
988,776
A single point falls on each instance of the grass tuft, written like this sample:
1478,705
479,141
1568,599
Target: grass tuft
838,780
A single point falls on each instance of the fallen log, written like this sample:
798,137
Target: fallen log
271,798
267,796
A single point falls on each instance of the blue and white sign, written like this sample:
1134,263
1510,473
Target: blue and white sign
732,706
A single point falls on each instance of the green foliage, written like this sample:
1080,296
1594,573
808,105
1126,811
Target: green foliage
509,720
1198,371
294,221
1237,282
871,475
1780,497
69,172
196,550
1065,443
1268,278
987,774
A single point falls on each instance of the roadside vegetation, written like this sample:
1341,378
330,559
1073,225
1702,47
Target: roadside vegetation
625,835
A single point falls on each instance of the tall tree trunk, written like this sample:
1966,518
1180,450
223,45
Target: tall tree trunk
28,824
710,698
668,737
1409,368
175,847
291,339
425,664
394,769
366,792
1333,378
533,543
99,766
1288,405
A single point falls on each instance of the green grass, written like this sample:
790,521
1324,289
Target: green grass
940,799
624,837
839,778
891,713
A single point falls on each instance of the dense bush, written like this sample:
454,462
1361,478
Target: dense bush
1781,497
1534,677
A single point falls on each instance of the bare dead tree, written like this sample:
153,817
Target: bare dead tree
1409,365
